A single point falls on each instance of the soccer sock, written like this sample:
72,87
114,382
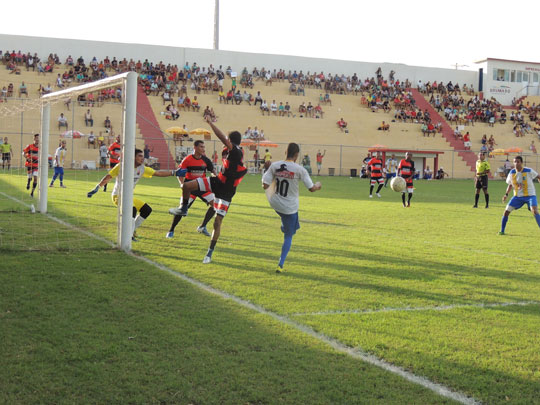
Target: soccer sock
28,183
175,221
537,217
34,185
403,198
476,198
209,215
503,223
61,179
138,222
287,242
487,199
409,198
379,188
370,190
211,248
105,188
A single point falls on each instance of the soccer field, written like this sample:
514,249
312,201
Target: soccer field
431,289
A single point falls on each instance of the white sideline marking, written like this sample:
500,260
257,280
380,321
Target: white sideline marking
405,309
356,353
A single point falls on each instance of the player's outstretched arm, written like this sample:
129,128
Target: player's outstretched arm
316,186
168,173
222,137
103,181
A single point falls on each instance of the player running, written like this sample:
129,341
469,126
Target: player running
406,170
284,196
140,207
196,165
481,179
521,179
375,172
31,153
223,186
59,159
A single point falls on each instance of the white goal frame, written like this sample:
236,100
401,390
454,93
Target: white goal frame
128,81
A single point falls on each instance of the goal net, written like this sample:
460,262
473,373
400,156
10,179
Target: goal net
78,120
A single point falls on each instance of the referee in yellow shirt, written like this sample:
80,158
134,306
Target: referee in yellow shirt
481,178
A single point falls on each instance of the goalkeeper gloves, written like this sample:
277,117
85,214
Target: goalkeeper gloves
180,172
93,191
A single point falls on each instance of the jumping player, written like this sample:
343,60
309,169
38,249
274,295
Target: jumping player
406,170
481,179
375,172
59,159
139,207
521,179
196,164
31,153
284,197
223,186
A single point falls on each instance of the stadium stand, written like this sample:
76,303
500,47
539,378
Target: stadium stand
295,107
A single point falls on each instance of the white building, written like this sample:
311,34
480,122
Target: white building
508,79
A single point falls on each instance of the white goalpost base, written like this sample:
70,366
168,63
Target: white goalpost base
128,81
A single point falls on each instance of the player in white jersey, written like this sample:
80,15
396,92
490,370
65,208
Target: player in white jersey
281,184
391,168
59,160
521,179
140,207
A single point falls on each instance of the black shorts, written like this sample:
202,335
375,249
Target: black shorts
221,190
481,182
6,156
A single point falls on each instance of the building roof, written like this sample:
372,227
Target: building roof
507,60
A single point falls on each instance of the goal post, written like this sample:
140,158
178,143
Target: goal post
128,82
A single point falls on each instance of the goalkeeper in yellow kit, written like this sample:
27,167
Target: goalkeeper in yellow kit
141,210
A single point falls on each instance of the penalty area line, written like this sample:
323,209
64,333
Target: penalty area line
412,309
354,352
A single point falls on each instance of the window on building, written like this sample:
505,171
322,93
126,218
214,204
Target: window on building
512,75
525,77
519,77
535,77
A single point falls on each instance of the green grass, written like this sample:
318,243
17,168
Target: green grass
350,256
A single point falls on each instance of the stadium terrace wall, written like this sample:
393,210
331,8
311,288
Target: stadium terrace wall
237,60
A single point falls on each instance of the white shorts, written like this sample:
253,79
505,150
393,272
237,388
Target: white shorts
410,190
221,206
34,173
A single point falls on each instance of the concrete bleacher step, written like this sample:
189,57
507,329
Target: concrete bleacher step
151,132
448,133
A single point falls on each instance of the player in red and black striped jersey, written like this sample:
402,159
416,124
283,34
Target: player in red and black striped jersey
375,172
223,186
406,170
196,166
31,153
114,155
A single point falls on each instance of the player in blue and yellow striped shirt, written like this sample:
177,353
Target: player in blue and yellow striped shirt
521,179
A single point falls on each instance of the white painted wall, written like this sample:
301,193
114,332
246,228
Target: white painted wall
237,60
505,91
